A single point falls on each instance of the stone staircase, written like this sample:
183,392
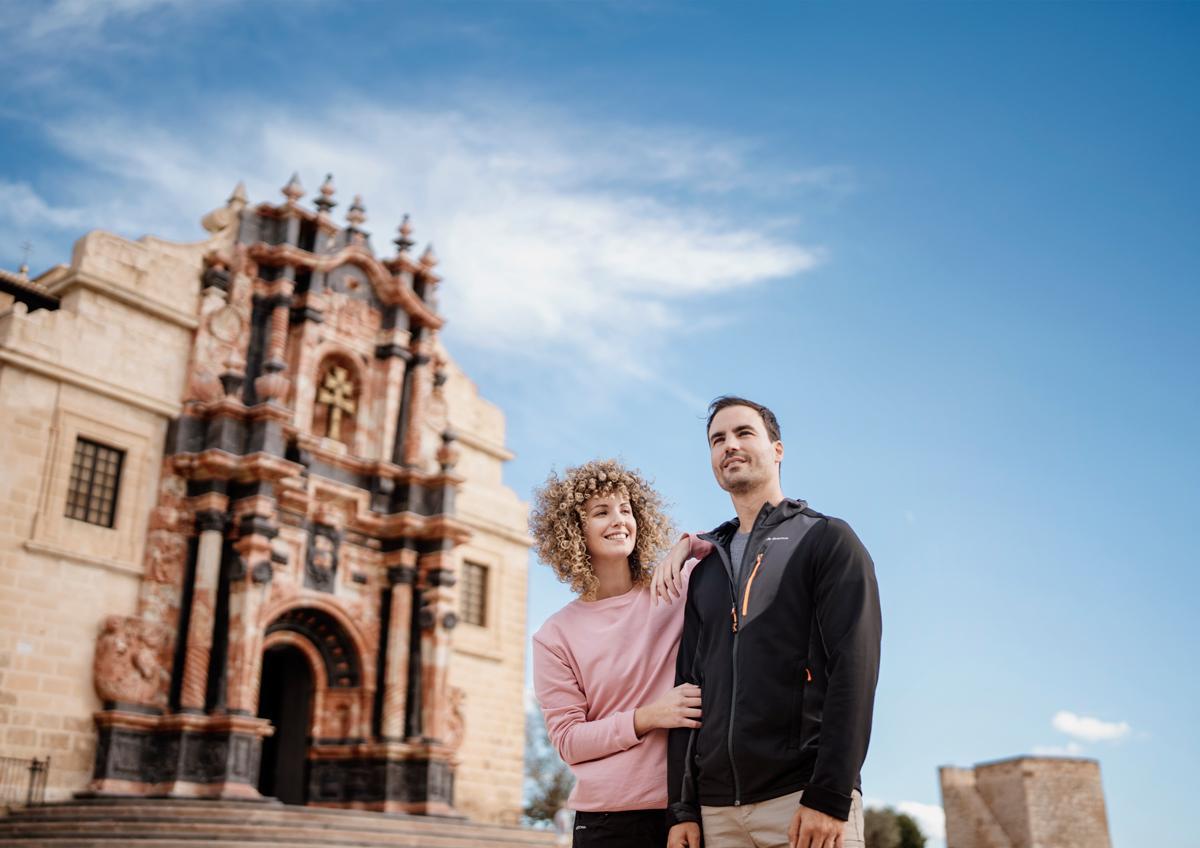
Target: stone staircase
108,823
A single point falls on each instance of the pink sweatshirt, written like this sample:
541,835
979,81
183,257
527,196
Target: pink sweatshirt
594,663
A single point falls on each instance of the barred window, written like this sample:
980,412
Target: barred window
474,593
95,477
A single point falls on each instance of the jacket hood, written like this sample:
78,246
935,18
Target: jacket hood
768,516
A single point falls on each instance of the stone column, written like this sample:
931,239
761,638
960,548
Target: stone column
389,387
419,387
395,680
273,385
438,619
247,590
210,524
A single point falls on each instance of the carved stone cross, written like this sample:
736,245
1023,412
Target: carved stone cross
338,392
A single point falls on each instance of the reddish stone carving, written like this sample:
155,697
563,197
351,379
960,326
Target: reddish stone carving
130,665
456,721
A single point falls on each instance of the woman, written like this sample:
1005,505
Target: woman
604,665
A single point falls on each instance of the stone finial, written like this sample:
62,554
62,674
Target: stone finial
325,201
357,213
226,216
404,241
429,258
239,197
293,191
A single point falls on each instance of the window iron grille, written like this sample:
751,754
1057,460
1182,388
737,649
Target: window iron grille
474,594
95,480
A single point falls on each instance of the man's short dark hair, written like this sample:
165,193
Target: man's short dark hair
725,401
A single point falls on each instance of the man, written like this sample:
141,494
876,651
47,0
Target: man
781,632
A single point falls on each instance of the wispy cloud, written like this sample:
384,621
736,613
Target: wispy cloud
1089,729
557,236
19,202
39,21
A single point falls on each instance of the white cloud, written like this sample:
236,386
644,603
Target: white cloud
1089,729
930,817
556,236
1071,749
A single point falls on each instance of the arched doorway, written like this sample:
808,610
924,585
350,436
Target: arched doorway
285,699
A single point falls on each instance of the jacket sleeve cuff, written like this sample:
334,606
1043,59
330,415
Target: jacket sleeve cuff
697,547
827,801
680,813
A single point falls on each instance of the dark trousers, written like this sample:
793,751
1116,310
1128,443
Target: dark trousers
624,829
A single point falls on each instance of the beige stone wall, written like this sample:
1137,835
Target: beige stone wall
1027,802
489,662
1003,790
79,371
1066,803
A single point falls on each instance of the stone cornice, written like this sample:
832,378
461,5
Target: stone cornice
113,565
493,528
389,289
54,371
495,450
115,290
374,467
215,464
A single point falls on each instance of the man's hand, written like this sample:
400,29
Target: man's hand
684,835
813,829
667,583
678,708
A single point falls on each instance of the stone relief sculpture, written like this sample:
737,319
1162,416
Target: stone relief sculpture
130,666
456,723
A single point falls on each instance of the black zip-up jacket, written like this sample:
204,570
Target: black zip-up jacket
787,658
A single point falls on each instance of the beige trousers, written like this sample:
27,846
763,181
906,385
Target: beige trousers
765,824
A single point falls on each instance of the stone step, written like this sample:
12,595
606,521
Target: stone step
373,822
162,823
123,842
251,830
196,829
240,811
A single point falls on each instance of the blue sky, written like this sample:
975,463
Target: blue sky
952,245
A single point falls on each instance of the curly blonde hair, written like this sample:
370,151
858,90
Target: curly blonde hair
557,522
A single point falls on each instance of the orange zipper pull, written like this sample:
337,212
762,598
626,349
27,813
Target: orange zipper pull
733,615
750,582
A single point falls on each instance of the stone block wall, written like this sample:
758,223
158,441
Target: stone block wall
1026,802
489,661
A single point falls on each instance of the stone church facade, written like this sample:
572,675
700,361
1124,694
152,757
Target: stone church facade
254,539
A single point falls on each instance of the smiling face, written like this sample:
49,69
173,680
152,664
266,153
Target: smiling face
609,528
743,456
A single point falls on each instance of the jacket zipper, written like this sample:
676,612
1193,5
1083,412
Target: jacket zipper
737,788
750,582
